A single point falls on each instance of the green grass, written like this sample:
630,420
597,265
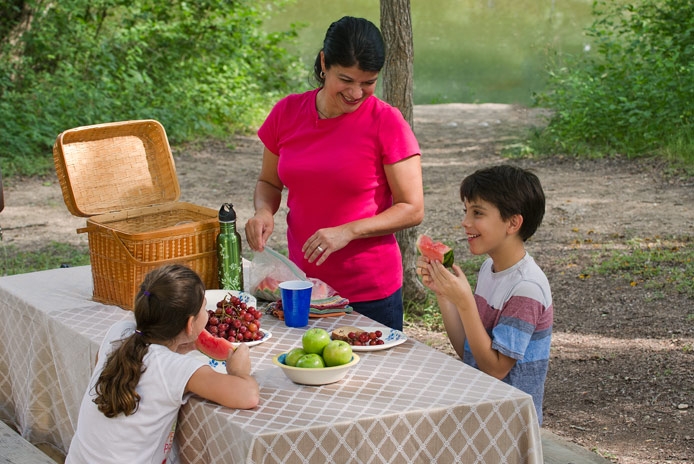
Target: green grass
51,256
661,264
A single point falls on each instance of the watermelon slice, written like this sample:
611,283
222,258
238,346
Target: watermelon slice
435,251
214,347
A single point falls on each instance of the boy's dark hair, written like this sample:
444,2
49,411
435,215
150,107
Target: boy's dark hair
351,41
510,189
168,297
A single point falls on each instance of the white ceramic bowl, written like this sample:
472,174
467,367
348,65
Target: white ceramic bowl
317,376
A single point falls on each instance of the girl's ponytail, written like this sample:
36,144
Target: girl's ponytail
115,388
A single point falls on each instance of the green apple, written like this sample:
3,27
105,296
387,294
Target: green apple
310,361
293,356
337,353
314,340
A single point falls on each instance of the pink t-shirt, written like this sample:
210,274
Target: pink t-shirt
334,173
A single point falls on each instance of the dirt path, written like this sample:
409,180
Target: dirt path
621,380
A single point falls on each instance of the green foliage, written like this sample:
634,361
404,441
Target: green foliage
659,264
634,93
203,69
51,256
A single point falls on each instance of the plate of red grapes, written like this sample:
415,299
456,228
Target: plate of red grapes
234,316
371,338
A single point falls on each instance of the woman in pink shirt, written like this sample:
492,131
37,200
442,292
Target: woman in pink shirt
351,166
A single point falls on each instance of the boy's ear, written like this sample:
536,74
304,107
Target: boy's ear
514,224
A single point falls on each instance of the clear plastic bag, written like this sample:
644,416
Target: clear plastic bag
269,268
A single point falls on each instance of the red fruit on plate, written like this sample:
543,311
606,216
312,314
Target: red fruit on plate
214,347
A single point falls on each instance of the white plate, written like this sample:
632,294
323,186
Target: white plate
390,337
266,336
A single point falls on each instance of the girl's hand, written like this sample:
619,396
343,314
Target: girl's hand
239,361
325,242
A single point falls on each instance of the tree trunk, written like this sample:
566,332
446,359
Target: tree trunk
396,27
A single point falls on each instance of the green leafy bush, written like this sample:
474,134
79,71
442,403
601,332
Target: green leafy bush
633,92
203,69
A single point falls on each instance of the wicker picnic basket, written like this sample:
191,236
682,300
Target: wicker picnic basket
121,176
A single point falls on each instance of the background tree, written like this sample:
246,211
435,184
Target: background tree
396,26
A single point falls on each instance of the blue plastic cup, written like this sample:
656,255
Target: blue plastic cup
296,302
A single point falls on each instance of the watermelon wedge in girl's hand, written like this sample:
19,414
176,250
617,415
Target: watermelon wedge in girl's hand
435,251
215,347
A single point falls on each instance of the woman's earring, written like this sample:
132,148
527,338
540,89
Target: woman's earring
322,74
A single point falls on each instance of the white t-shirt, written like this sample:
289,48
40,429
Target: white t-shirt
145,436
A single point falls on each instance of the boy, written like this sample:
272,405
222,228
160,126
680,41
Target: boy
505,327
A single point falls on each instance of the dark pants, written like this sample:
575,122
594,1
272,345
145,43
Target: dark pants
388,311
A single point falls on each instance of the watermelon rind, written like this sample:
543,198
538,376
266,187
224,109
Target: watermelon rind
448,258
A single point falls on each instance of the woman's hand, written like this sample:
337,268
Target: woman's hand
325,242
266,201
258,230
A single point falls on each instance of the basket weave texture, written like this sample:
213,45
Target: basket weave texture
122,177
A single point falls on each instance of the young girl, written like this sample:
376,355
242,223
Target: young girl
129,411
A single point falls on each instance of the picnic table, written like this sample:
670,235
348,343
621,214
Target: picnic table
408,403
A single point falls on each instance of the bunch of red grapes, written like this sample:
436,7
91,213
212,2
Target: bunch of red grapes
365,338
235,321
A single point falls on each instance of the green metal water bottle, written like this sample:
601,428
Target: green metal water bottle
229,250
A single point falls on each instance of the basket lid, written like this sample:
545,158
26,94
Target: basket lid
115,166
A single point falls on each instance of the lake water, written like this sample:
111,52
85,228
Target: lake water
465,51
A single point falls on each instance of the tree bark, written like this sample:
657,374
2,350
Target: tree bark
396,27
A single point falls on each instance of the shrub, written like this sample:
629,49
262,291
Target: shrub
203,68
633,92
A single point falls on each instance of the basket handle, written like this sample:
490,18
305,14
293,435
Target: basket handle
161,262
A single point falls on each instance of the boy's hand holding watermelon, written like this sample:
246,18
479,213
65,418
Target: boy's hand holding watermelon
432,252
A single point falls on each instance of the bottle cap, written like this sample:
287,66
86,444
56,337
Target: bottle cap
227,213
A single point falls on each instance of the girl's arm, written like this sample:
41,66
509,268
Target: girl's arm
405,183
237,389
266,201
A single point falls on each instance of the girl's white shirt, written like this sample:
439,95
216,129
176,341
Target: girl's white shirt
147,435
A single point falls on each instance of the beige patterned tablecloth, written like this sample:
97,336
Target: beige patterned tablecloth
409,403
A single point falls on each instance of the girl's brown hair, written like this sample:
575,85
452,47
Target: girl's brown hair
168,297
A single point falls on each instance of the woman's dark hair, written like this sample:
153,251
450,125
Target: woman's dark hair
511,190
352,41
168,297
